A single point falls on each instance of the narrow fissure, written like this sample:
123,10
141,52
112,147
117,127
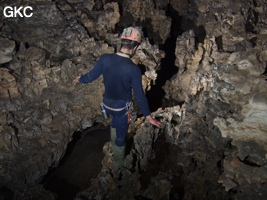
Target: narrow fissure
155,96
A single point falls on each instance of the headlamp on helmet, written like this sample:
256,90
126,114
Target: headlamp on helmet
126,32
132,34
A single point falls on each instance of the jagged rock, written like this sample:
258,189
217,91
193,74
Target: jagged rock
250,141
8,85
75,1
151,60
160,187
102,22
190,76
89,4
144,150
33,191
6,50
152,18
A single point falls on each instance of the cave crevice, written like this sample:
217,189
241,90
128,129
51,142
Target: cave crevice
167,68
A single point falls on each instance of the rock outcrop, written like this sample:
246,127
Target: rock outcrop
213,141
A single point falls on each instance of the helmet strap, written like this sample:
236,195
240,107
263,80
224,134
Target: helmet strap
125,53
134,50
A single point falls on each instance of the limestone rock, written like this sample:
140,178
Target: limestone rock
156,22
101,23
31,190
8,86
6,50
150,60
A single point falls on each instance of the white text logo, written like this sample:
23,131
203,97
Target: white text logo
17,12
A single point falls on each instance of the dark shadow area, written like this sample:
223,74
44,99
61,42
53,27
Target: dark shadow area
168,69
6,194
265,71
219,43
164,163
81,163
157,164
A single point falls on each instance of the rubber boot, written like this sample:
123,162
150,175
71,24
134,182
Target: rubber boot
112,135
118,156
119,152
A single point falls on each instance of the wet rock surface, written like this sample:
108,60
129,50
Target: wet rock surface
213,141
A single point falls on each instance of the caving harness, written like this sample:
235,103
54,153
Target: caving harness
130,36
131,114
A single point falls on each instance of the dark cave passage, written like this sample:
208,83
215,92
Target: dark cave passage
156,94
81,163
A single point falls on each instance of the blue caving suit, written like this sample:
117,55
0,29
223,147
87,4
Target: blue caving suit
121,76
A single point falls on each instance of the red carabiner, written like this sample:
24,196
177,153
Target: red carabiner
129,116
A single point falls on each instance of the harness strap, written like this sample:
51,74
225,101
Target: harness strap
114,109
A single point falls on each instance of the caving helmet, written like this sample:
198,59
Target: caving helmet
131,36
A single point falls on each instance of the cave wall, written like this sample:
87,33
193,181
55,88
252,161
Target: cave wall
215,133
221,80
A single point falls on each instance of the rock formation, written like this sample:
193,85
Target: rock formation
213,142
